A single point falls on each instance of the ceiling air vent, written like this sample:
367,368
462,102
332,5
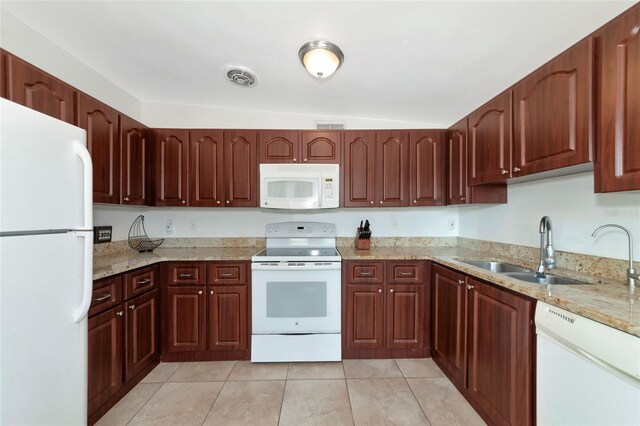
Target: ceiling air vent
240,76
327,125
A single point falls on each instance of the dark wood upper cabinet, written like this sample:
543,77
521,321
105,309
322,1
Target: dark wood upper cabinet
489,143
359,163
448,318
206,168
185,319
103,142
241,175
392,168
617,165
320,147
171,151
27,85
500,353
142,333
227,325
553,113
279,146
134,146
458,191
427,167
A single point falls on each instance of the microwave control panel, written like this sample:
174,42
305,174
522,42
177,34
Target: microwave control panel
328,188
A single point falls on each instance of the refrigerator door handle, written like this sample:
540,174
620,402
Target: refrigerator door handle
87,178
87,277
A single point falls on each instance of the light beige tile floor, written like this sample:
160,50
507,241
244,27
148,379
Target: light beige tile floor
360,392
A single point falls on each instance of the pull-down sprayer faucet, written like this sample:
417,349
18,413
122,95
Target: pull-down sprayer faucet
547,253
633,277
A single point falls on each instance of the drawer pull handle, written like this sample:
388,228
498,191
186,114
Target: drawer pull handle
105,297
460,282
147,281
226,274
405,274
365,273
185,275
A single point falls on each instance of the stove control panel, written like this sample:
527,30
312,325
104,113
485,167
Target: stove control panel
301,229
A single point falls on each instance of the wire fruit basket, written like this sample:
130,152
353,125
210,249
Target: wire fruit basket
138,239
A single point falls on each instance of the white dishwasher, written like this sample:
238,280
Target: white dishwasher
587,373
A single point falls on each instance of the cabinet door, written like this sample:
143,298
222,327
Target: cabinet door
457,192
171,164
206,172
105,345
392,166
359,155
279,146
448,319
427,168
241,174
365,316
490,141
142,333
185,319
35,89
553,113
500,353
321,147
617,167
103,142
134,146
228,330
405,316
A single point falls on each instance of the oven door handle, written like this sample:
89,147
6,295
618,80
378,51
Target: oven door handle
296,266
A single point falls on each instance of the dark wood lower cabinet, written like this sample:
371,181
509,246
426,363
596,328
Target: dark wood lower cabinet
142,333
105,342
405,314
227,318
185,319
365,317
483,340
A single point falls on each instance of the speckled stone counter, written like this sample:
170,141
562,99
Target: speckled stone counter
605,300
116,263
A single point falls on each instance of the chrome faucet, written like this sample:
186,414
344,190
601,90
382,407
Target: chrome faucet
547,252
633,278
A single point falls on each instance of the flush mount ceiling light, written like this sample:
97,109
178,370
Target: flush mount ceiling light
321,58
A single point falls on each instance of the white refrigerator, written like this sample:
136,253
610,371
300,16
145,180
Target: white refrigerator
46,268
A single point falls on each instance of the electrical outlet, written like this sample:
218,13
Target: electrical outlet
451,223
169,226
193,227
394,223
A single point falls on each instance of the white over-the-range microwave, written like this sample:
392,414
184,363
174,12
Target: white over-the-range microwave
299,186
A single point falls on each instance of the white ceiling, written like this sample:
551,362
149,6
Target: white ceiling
423,61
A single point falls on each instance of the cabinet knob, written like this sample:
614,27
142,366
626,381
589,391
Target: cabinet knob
469,286
516,169
305,160
218,202
132,307
372,203
463,198
295,160
415,201
184,201
227,201
504,172
121,313
379,290
460,282
391,291
126,199
211,292
380,202
200,292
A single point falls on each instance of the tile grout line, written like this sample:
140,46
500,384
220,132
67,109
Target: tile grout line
346,383
143,405
214,401
284,390
413,393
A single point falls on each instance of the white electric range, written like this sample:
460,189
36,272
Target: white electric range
296,294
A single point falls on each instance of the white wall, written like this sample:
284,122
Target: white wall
245,222
574,210
200,116
26,43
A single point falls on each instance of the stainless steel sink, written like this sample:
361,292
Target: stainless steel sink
549,279
498,267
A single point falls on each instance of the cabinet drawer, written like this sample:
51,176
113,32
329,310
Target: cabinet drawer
226,273
106,293
185,273
370,272
140,281
403,272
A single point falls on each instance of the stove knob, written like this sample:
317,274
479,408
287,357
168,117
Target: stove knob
276,229
324,229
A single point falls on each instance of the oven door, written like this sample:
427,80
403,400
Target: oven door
296,297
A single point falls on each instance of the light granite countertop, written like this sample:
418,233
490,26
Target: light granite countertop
606,301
